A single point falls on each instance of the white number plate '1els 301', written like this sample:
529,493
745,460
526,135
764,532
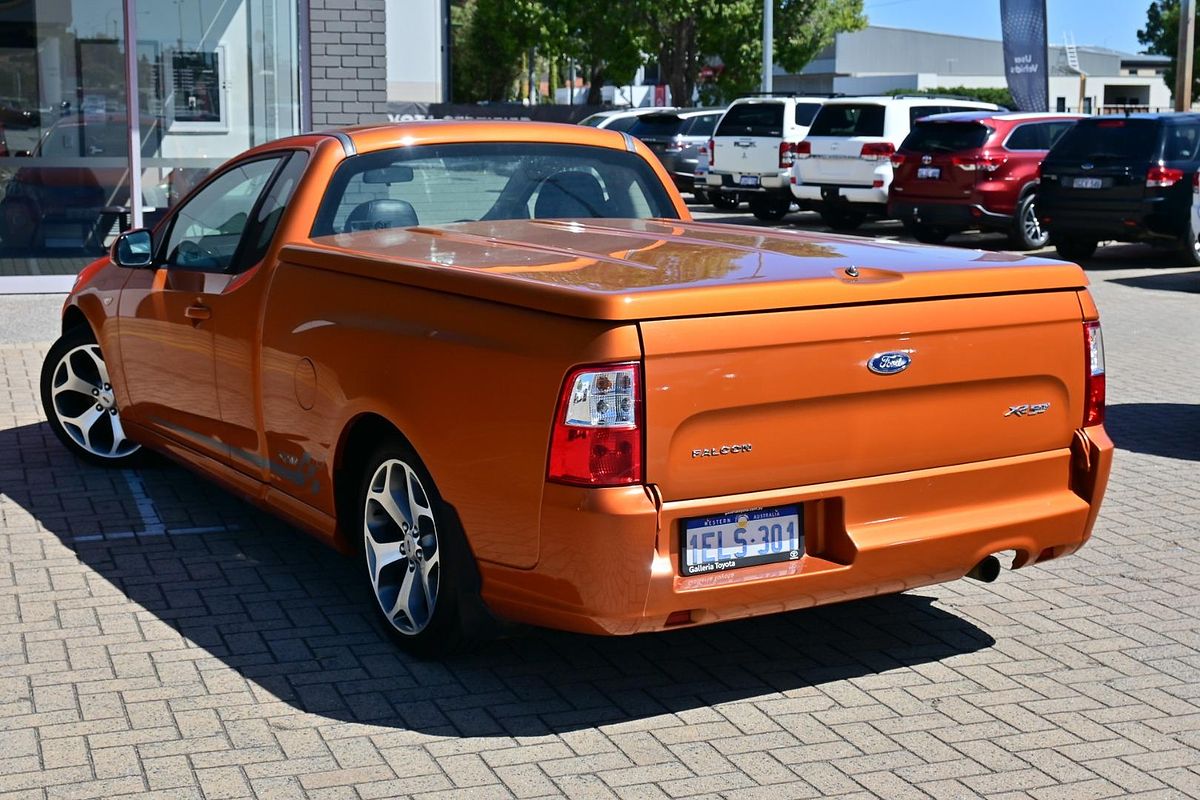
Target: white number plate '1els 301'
741,539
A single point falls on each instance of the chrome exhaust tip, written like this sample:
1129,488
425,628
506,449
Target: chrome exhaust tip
986,570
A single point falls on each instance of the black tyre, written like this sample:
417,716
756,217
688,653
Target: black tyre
419,567
79,402
1073,248
769,209
700,196
842,220
723,201
1027,232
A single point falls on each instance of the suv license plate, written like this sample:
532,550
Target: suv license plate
1088,183
742,539
929,172
749,180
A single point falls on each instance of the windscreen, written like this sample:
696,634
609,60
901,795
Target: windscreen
446,183
1109,140
656,126
845,119
945,137
752,119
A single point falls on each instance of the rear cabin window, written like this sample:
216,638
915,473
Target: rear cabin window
752,119
658,126
700,125
1181,142
806,112
946,137
442,184
1110,140
844,119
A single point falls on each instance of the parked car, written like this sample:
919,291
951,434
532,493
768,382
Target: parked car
621,119
16,114
48,204
676,138
750,155
843,168
974,169
648,423
1124,178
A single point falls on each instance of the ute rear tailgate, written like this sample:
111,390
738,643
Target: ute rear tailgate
749,402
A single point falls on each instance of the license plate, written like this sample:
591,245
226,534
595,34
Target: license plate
929,172
743,539
748,180
1088,183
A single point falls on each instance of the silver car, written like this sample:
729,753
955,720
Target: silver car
676,137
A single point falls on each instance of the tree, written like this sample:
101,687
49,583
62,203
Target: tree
490,39
1161,37
608,40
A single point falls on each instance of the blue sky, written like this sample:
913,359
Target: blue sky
1107,23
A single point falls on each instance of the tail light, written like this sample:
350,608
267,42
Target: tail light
1160,177
875,151
712,151
1196,181
597,437
983,163
675,145
897,160
787,154
1093,401
802,149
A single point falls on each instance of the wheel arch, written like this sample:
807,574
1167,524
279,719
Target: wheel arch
73,317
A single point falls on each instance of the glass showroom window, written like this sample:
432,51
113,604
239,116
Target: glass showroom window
213,78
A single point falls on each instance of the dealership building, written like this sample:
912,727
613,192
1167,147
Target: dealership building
212,78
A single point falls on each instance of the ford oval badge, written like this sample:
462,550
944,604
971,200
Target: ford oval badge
889,363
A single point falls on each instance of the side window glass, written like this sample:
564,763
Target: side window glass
1027,137
206,232
1181,142
916,112
1056,130
267,218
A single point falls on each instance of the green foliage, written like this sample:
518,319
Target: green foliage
611,39
1161,37
1001,97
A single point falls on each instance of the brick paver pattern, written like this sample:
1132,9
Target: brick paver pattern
160,638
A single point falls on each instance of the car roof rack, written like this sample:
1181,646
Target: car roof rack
962,97
788,94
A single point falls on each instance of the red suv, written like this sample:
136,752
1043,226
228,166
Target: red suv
973,170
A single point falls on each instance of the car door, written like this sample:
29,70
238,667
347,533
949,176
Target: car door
166,315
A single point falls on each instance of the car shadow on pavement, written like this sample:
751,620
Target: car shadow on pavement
1170,430
1187,281
290,616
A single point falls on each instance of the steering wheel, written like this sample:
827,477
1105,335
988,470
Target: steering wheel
191,254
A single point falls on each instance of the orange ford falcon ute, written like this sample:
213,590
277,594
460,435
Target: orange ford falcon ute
501,365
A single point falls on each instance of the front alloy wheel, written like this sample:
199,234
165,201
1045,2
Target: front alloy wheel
79,401
1028,233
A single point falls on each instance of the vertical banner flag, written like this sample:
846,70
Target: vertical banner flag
1025,57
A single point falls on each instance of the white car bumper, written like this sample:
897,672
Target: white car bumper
852,194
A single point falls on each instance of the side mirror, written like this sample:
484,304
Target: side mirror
133,249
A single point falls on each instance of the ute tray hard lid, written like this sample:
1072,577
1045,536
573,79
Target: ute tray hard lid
653,269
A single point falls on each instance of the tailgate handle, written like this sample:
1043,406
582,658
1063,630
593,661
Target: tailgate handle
197,312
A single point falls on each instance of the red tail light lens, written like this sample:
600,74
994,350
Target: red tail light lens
984,163
1160,177
802,149
897,160
1093,401
787,154
597,437
875,151
712,151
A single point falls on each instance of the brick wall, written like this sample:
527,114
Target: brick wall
349,62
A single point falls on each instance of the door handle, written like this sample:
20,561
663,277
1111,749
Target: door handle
197,312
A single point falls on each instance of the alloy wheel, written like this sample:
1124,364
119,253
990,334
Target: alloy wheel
1033,228
85,406
401,542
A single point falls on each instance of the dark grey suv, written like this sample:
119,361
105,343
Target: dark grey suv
676,138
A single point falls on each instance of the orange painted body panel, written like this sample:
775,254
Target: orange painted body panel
460,337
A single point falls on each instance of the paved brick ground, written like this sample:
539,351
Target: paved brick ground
158,638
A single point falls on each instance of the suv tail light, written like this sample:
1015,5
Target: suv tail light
985,162
1160,177
787,154
712,152
802,149
597,436
875,151
897,159
1093,348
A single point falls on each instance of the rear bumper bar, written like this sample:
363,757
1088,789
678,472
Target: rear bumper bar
610,557
949,215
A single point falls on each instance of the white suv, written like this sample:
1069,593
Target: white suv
750,154
843,168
